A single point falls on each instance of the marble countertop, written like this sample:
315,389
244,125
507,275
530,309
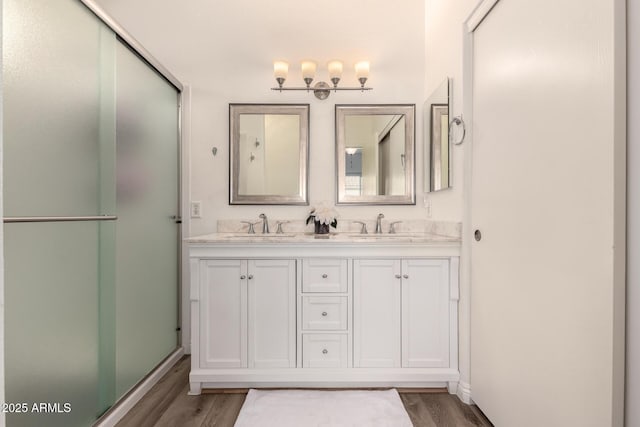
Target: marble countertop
408,232
335,238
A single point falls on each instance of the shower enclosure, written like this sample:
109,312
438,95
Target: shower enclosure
91,205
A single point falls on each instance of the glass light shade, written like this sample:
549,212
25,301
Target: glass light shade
351,150
280,69
362,69
308,69
335,69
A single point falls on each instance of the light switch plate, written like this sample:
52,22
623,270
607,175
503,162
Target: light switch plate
196,209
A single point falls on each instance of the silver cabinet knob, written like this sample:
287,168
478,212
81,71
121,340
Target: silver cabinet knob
398,276
325,351
250,276
324,313
243,277
406,276
324,276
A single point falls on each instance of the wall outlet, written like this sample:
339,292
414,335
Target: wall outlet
196,209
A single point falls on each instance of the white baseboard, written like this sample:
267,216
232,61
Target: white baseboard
117,412
464,392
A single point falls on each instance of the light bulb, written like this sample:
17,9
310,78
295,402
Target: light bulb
362,69
280,69
335,69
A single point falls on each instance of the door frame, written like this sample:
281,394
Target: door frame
468,27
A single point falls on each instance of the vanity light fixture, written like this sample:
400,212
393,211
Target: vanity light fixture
321,89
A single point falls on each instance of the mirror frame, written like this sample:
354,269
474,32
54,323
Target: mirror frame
432,167
235,110
406,110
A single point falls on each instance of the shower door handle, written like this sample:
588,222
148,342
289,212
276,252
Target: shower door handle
13,219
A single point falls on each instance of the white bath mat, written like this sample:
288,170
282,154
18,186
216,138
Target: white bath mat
316,408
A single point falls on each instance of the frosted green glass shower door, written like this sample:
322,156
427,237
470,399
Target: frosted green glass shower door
89,130
58,161
147,151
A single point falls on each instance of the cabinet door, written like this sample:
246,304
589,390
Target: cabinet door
425,313
376,311
223,314
272,313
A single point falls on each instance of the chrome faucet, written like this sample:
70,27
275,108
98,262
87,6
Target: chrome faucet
250,224
279,224
265,224
392,227
379,224
363,230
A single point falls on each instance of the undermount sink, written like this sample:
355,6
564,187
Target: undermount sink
258,236
399,236
385,236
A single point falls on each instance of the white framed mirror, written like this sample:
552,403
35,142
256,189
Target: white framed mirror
375,146
437,140
268,146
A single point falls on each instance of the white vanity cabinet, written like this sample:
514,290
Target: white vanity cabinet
247,313
401,313
322,313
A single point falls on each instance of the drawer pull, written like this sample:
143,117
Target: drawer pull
250,276
324,313
325,351
398,276
406,276
324,276
243,277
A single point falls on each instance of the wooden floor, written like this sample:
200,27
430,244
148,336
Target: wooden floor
168,405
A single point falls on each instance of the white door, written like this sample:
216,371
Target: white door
223,314
425,313
376,313
545,336
272,313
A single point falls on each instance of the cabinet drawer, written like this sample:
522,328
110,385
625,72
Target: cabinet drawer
324,275
324,313
324,351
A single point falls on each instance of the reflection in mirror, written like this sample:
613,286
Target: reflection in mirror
269,146
436,111
375,146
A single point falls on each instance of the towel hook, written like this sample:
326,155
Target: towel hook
458,121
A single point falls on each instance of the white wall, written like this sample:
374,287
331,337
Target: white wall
282,156
251,157
444,48
633,215
443,53
225,49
